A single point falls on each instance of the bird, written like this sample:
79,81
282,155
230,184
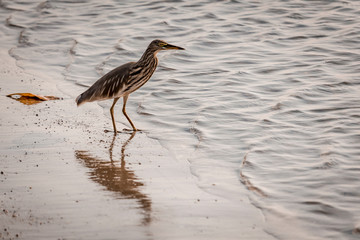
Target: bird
125,79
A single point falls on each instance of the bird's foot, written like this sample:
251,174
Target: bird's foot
125,130
132,130
106,131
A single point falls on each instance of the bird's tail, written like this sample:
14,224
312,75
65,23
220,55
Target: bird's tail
79,100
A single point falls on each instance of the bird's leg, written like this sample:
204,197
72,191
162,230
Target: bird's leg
124,112
112,114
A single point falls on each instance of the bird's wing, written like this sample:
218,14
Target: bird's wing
108,86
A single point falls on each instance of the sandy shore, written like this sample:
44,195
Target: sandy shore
63,177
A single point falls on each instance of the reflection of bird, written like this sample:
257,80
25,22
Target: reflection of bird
125,79
117,178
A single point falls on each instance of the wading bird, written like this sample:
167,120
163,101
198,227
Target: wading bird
125,79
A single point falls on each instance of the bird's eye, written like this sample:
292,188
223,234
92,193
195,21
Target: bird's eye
162,44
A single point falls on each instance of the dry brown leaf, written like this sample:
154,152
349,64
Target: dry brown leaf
29,98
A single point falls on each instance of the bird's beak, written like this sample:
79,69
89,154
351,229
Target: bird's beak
169,46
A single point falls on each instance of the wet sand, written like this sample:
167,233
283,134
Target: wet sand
63,177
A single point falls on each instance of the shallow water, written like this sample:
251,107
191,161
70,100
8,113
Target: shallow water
265,97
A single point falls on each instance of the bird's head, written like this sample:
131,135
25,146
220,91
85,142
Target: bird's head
158,45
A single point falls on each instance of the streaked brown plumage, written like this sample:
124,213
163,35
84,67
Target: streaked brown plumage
125,79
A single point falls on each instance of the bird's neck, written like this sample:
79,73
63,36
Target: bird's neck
148,57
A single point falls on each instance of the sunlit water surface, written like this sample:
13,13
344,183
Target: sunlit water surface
265,97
